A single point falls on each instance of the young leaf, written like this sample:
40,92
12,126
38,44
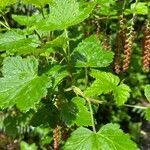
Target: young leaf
107,82
121,94
21,86
147,92
65,13
89,53
109,137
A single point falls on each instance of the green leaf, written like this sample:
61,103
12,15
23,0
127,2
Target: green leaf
68,113
57,74
21,86
60,42
147,92
106,2
26,146
64,14
45,115
105,83
121,94
106,7
16,41
147,114
89,53
25,20
4,3
109,137
75,112
38,2
83,115
139,8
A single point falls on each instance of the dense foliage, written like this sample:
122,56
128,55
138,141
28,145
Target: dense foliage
74,74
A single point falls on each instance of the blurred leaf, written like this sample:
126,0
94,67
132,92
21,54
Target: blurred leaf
89,53
26,146
147,114
38,2
109,137
21,86
4,3
140,8
11,128
147,92
106,7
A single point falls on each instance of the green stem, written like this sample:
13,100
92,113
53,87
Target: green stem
4,25
95,101
68,47
135,8
86,77
79,92
135,106
42,12
124,5
91,113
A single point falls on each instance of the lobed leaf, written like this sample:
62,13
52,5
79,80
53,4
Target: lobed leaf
89,53
105,83
64,14
21,86
83,115
109,137
16,41
121,94
75,112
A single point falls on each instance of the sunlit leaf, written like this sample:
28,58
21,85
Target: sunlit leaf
109,137
21,86
90,53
